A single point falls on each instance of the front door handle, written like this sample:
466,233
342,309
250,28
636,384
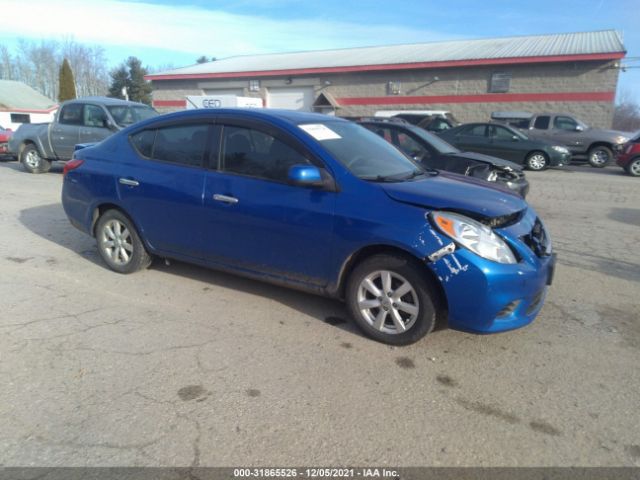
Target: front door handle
225,199
129,182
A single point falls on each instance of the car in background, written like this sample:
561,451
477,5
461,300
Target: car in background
5,135
316,203
508,143
596,145
430,120
629,156
84,120
432,151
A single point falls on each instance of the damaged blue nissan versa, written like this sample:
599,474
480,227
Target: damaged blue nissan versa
319,204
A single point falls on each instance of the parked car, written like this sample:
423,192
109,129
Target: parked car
319,204
85,120
629,156
506,142
593,144
433,152
5,135
430,120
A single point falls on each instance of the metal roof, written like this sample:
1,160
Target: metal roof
553,45
19,96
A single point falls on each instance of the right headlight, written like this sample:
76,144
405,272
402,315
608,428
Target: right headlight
474,236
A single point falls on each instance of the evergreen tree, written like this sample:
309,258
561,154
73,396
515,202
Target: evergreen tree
202,59
67,85
119,80
131,75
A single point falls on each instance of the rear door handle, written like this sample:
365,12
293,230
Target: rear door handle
128,181
225,199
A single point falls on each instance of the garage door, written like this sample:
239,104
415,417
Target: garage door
291,98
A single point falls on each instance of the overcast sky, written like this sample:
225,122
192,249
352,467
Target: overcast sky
176,33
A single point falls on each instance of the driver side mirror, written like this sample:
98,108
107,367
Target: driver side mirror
305,176
515,138
579,128
108,123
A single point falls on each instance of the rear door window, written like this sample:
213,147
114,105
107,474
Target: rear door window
71,114
542,122
475,131
181,144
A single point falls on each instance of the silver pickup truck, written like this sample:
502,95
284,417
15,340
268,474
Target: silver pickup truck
85,120
593,144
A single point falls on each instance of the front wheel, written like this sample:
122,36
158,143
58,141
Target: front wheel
536,161
32,161
600,156
390,300
633,168
119,243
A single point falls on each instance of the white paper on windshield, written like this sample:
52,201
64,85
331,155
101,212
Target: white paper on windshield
320,132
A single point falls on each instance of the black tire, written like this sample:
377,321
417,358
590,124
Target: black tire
536,161
633,167
402,269
32,161
600,156
138,257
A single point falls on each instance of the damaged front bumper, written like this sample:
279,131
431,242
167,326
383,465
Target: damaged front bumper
488,297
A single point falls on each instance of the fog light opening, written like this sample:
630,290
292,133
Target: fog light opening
508,309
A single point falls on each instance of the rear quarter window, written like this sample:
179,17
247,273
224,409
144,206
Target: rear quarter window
143,142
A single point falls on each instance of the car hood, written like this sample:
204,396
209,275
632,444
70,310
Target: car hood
449,191
480,157
614,133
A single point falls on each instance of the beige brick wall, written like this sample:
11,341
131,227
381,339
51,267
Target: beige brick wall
593,76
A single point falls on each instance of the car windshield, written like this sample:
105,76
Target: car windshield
125,115
436,142
362,152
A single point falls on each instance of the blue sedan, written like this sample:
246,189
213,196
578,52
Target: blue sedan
318,204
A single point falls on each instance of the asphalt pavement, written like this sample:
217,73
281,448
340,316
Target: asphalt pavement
182,366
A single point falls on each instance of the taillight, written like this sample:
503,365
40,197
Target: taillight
71,165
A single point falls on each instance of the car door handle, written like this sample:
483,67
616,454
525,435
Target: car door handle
129,182
225,199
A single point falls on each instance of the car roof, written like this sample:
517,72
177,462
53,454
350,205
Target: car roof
289,116
105,101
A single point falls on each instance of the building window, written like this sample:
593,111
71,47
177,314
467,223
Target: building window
20,118
500,82
254,85
393,88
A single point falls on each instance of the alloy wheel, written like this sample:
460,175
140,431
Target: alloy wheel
116,242
388,302
600,157
634,168
537,161
32,159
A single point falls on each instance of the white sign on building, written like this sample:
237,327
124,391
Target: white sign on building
222,101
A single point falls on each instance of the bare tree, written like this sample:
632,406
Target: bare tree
38,64
626,115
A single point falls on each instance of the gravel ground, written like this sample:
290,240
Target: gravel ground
182,366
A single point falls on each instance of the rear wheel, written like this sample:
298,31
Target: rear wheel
119,243
537,161
600,156
32,161
633,168
390,299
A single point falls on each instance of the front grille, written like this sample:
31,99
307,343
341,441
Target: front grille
538,240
